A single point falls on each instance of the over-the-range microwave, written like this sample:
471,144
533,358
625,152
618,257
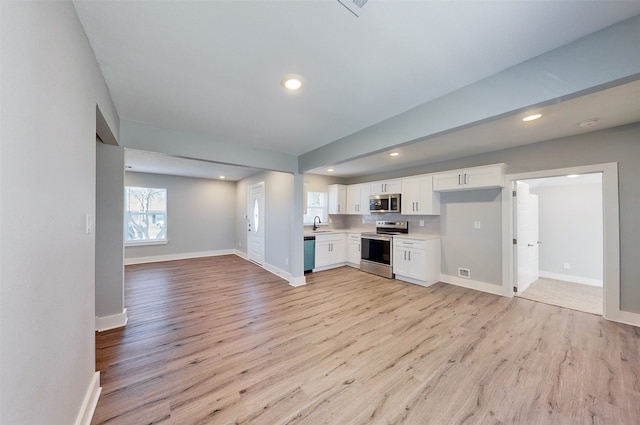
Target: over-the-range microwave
384,203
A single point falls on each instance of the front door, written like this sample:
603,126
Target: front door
255,224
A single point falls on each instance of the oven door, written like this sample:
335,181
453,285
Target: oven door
376,249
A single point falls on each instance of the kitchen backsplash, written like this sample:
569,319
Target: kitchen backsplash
431,222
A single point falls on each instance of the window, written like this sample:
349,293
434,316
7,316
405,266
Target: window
146,220
317,205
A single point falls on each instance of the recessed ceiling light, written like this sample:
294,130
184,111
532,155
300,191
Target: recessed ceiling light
223,177
573,176
330,170
291,82
532,117
394,154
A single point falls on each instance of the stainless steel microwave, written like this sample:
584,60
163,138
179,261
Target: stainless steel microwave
384,203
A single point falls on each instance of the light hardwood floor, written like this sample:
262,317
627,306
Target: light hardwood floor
221,341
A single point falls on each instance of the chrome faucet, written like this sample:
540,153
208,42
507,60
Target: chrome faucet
314,222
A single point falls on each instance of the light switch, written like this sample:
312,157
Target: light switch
476,224
421,223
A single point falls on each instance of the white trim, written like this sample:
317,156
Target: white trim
241,254
611,222
298,281
472,284
171,257
90,401
275,270
625,317
330,266
114,321
569,278
146,242
415,281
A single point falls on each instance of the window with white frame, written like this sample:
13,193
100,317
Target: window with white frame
146,215
317,205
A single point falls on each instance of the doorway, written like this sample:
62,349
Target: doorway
559,234
255,223
611,233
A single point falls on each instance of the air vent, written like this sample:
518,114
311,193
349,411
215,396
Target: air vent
355,6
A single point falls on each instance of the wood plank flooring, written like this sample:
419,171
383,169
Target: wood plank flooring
575,296
220,341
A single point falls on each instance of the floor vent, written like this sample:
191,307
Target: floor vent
354,6
465,273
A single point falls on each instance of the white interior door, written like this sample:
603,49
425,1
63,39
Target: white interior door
527,236
255,224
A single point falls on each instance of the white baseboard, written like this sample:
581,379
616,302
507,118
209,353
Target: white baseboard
241,254
298,281
114,321
415,281
90,401
472,284
625,317
171,257
569,278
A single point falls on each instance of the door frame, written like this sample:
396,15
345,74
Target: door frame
262,216
611,236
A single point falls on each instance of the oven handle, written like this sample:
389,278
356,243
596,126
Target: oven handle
378,238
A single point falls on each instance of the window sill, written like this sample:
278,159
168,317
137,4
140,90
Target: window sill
146,242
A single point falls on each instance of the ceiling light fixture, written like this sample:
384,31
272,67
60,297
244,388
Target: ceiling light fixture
394,154
291,82
330,170
573,176
223,177
532,117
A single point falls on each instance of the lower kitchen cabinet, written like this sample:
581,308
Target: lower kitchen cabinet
330,251
353,249
416,261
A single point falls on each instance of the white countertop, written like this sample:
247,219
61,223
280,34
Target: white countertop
417,236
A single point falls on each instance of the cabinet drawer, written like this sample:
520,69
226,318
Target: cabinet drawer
410,244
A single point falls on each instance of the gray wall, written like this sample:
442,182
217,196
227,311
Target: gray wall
279,203
51,84
570,228
479,250
109,230
200,214
620,144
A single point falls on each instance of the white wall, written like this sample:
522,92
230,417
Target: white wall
51,84
200,215
570,228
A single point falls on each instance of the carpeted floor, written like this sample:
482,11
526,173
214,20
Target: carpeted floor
566,294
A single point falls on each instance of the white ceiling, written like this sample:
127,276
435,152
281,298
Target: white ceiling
214,67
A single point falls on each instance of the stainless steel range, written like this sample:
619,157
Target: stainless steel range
377,248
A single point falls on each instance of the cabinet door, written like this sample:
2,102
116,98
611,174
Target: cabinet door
386,187
410,196
416,265
323,253
353,255
447,181
418,197
337,199
400,263
338,251
356,202
491,176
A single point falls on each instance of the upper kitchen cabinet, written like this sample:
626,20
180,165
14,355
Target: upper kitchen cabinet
337,199
418,197
471,178
358,199
385,187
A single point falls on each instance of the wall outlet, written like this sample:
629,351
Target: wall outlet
286,261
476,224
465,273
330,220
566,266
363,220
421,223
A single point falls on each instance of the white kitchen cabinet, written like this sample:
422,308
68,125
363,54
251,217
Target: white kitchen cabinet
337,199
353,249
358,199
416,261
471,178
385,187
330,251
418,197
